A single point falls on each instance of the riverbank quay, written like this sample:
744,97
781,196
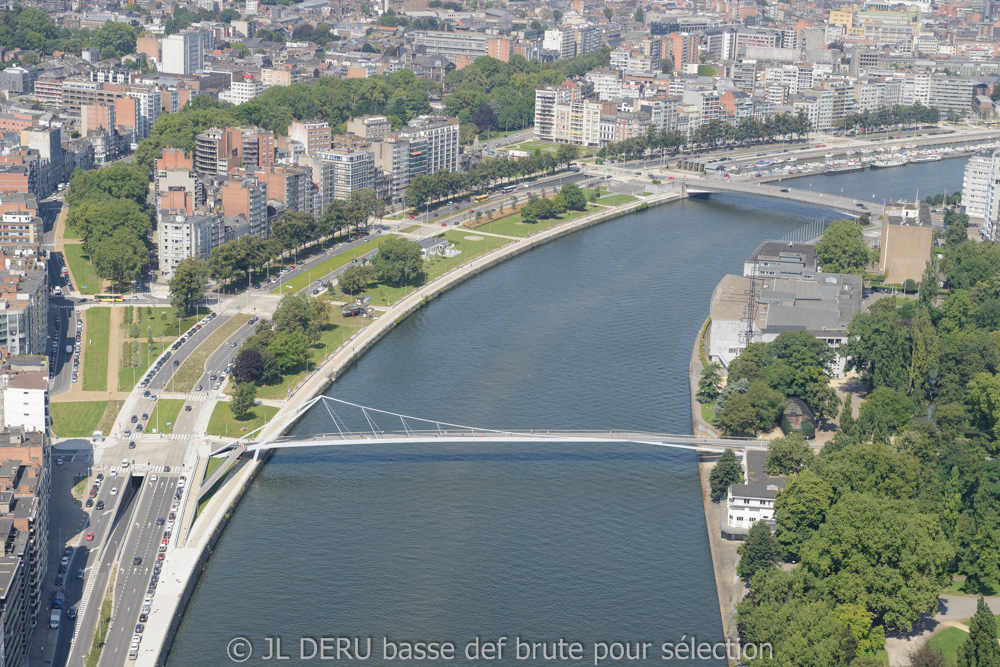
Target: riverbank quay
728,587
185,563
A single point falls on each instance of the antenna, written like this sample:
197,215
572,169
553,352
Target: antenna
750,313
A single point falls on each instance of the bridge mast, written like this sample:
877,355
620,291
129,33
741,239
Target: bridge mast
750,312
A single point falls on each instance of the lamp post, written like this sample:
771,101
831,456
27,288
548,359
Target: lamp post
149,334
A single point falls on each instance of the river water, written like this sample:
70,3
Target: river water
449,543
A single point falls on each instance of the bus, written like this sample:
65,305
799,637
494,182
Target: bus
109,297
509,188
479,199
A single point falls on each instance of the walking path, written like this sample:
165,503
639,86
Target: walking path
114,347
951,611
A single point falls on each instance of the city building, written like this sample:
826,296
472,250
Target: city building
313,135
25,401
369,127
243,89
977,181
754,499
340,172
822,304
182,53
24,301
180,236
247,198
24,527
441,136
400,159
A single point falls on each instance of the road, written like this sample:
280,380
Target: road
132,580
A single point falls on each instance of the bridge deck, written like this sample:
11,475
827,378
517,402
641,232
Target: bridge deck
841,204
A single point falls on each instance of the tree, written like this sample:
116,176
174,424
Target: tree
758,552
120,257
115,39
926,656
843,249
398,262
290,350
882,554
800,510
981,648
885,412
243,401
709,384
188,284
984,402
249,366
910,286
876,347
356,279
788,455
575,199
608,13
301,313
726,472
639,16
566,153
484,117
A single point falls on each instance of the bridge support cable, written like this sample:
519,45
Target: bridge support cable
406,429
371,423
333,418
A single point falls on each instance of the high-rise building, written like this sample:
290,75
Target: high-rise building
563,42
24,528
183,53
243,89
369,127
248,198
289,186
313,135
340,172
400,159
95,117
217,151
181,236
148,101
442,140
546,100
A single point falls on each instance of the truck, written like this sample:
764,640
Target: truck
54,618
57,290
56,613
69,349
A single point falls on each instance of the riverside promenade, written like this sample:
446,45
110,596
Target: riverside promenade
183,564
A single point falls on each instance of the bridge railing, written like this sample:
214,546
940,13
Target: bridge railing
535,433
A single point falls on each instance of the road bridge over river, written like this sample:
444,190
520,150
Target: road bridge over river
705,186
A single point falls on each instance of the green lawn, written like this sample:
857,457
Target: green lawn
163,321
706,70
385,295
76,420
947,641
615,200
706,412
213,463
193,368
332,264
223,423
133,364
164,415
81,270
511,225
545,146
79,486
96,340
333,336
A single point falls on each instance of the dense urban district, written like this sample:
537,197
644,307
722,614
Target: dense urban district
204,204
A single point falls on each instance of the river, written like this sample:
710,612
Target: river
449,543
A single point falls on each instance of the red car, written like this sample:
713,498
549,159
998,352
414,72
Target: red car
444,224
90,536
160,557
412,216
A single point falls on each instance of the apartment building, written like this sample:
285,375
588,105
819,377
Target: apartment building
952,92
753,500
95,117
182,53
181,235
562,42
369,127
24,526
77,92
247,198
217,151
148,105
243,89
21,227
441,137
24,301
452,45
289,186
546,100
977,181
340,172
400,159
314,135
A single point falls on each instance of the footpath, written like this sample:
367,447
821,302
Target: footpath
184,562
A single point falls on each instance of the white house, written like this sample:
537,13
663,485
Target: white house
753,500
437,247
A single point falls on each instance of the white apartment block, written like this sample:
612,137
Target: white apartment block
562,42
25,399
976,183
182,53
441,135
607,84
181,236
148,102
243,90
579,123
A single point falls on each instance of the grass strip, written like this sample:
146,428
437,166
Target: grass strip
76,419
95,357
194,366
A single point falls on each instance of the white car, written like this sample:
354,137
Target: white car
114,491
152,478
114,472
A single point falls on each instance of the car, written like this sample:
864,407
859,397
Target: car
90,536
100,504
114,490
166,468
100,477
152,397
444,224
160,557
71,613
156,570
152,584
136,639
159,521
90,502
170,524
148,600
134,419
131,444
861,206
163,547
138,428
197,327
143,618
187,408
62,569
127,433
216,385
784,189
59,580
197,387
412,216
165,540
212,376
171,516
177,362
456,206
113,472
65,561
137,560
435,215
139,627
152,478
93,492
79,573
146,394
155,578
